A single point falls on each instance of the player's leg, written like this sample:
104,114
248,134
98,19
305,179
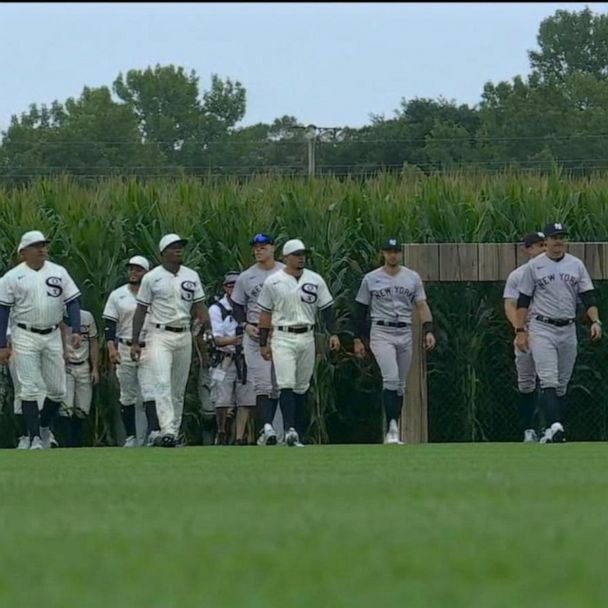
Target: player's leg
182,360
526,387
161,349
567,351
54,376
63,421
305,366
403,348
284,355
127,376
147,387
83,398
245,404
24,439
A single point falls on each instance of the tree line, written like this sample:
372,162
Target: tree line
159,121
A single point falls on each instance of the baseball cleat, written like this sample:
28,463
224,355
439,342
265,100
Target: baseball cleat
292,439
153,439
554,434
24,443
45,437
267,436
392,436
36,444
168,441
53,440
530,436
130,442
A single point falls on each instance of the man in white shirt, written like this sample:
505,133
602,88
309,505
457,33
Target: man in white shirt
289,301
169,293
34,293
134,377
230,382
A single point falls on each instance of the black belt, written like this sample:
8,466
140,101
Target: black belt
556,322
35,330
296,330
76,362
130,343
177,330
391,324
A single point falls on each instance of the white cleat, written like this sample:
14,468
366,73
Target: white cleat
45,437
392,437
530,436
130,442
268,436
36,444
53,441
292,439
24,443
154,436
554,434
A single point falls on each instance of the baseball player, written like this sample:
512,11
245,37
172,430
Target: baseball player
170,293
247,311
389,294
554,279
82,372
134,377
533,245
34,293
230,384
288,301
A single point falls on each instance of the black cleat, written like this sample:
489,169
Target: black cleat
168,441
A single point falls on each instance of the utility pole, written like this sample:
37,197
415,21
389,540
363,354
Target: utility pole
311,136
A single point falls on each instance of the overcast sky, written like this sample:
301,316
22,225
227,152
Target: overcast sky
327,64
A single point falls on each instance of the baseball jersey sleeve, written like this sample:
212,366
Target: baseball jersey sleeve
70,291
7,296
325,297
238,293
419,293
265,299
585,283
199,292
144,295
110,311
363,295
526,285
215,317
93,328
511,291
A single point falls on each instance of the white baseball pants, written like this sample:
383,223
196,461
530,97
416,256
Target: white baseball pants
294,359
135,378
79,390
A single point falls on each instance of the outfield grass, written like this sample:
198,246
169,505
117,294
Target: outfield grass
430,525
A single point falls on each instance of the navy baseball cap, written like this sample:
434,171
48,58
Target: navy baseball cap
533,238
554,229
391,244
262,239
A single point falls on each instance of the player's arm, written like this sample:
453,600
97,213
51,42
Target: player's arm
110,323
94,357
326,309
510,307
5,351
426,319
587,296
139,316
201,314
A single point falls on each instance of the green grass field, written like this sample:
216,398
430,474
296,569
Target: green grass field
428,525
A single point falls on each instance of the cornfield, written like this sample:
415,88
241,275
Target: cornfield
96,226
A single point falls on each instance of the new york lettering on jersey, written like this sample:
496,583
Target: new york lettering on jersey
554,285
391,298
248,287
292,301
120,308
37,297
170,296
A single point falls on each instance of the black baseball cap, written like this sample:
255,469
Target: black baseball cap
554,229
262,239
533,238
391,243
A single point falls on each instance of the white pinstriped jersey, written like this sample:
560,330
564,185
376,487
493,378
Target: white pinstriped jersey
88,330
248,287
120,308
37,297
170,296
294,301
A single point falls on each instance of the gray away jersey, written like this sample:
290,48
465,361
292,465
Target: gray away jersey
511,291
391,298
248,287
555,285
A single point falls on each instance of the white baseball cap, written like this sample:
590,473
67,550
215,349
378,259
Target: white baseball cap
139,260
31,238
169,239
293,246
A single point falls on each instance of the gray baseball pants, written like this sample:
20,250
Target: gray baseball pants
392,348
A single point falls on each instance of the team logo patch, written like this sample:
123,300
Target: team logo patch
188,288
54,287
309,294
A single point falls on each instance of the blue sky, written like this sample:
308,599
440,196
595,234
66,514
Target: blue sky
325,63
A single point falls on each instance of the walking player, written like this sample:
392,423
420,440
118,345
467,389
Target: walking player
170,292
554,279
534,244
289,300
247,311
34,293
230,382
134,377
390,293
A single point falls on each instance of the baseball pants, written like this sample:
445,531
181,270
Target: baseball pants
526,372
134,377
554,351
392,348
227,390
39,365
170,359
79,390
17,387
294,359
261,372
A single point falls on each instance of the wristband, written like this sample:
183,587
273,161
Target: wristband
598,322
427,328
520,330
